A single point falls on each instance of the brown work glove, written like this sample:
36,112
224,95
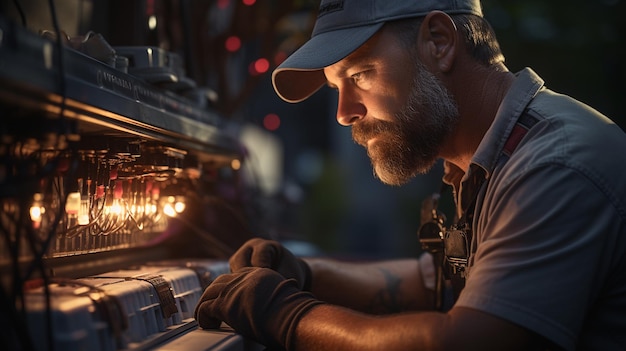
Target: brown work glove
258,303
271,254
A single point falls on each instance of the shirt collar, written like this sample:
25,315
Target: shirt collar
522,91
520,94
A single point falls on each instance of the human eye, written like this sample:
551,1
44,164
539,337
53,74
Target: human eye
356,77
361,77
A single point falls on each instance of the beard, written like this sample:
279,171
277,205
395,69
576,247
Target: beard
410,145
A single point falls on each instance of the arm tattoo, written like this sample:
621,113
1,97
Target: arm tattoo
386,300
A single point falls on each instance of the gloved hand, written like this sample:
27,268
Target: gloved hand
271,254
258,303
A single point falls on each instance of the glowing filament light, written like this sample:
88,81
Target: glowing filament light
174,205
179,205
152,22
72,204
37,210
83,211
169,210
35,213
150,209
116,208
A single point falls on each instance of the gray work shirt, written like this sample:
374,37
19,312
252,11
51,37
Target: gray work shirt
550,225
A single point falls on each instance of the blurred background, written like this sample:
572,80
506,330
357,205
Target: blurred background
308,183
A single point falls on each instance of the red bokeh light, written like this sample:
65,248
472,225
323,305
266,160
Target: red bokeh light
233,43
222,4
261,65
280,57
271,121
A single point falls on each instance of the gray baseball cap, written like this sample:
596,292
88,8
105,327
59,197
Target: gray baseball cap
341,27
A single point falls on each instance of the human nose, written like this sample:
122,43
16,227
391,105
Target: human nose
349,109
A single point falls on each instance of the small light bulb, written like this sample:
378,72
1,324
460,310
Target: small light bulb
179,207
169,210
116,208
83,211
179,204
35,213
72,204
152,22
37,210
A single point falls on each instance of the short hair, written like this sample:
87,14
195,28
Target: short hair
479,36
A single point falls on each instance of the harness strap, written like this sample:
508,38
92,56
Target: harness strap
458,240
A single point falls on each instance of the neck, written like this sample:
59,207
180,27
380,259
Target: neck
479,92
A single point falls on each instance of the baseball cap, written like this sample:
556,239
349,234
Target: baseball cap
341,27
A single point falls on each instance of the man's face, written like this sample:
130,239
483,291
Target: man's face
399,111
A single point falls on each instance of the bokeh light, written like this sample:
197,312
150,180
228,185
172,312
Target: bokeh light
271,121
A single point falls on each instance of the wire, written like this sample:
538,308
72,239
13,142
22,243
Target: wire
38,261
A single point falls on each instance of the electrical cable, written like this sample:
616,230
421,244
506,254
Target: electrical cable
38,264
63,93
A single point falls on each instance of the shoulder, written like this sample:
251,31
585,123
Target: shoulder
572,123
572,138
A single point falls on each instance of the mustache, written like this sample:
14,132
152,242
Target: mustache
364,131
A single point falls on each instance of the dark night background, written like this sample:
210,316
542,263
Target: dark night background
326,194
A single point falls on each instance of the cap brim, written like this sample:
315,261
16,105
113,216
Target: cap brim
301,74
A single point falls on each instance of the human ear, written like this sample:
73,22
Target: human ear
438,38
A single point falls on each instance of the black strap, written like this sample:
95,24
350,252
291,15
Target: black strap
164,293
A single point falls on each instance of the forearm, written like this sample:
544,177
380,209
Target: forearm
379,287
328,327
262,304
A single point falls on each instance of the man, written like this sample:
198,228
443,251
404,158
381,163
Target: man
539,189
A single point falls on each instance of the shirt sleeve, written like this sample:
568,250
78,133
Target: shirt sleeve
542,248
